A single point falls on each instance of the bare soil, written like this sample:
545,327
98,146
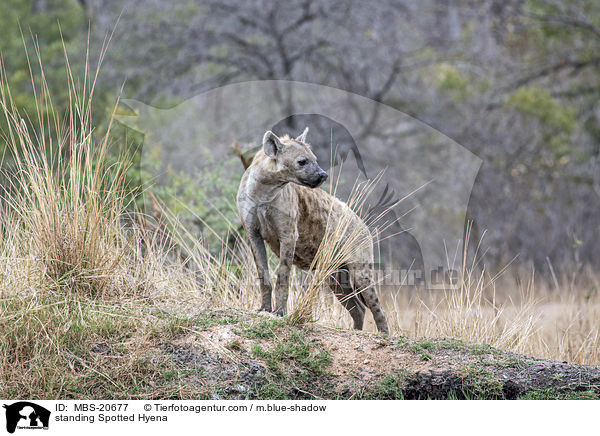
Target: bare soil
232,354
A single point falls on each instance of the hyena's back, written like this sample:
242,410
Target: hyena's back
314,207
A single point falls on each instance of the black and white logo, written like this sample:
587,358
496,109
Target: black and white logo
26,415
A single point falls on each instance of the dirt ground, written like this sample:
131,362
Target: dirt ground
247,355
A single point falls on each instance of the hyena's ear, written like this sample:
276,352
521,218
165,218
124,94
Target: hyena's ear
302,137
271,144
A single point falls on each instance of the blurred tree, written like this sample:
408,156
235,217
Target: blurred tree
515,81
37,20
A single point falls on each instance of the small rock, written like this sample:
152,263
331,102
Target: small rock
380,343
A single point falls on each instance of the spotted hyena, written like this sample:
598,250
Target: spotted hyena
292,218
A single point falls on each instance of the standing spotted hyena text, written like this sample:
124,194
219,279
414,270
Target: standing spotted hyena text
292,218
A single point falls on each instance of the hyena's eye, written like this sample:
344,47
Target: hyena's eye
302,162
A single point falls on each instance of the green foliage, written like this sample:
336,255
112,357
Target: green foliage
296,351
294,364
17,16
212,319
538,103
58,26
388,388
452,81
552,394
263,328
421,349
559,120
479,384
551,31
204,199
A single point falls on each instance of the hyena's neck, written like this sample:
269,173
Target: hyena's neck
262,187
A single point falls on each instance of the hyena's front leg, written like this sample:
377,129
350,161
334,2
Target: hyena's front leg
286,258
262,266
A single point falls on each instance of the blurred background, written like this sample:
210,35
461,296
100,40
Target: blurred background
514,82
484,114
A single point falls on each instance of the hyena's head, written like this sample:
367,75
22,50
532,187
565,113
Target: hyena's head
295,160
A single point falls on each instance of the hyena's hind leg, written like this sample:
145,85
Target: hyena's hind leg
342,288
363,282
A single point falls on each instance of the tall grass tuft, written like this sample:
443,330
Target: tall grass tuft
84,290
65,195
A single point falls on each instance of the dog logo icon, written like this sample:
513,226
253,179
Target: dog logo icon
26,415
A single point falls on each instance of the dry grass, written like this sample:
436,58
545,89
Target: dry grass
64,198
81,286
535,318
510,309
87,295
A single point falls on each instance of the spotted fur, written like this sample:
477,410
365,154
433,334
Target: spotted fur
279,203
